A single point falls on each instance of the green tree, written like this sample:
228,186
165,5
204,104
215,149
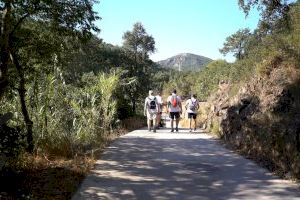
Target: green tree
138,41
271,11
138,45
77,20
236,43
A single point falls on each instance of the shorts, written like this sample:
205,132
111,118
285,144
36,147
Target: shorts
192,115
151,115
174,115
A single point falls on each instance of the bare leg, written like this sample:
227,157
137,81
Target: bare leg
154,125
177,122
158,119
195,124
172,127
149,124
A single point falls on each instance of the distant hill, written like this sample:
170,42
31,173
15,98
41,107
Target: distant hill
185,62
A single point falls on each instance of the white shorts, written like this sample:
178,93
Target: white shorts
151,114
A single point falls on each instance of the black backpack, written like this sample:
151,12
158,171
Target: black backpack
192,106
152,104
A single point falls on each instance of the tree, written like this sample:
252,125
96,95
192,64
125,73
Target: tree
138,45
67,17
271,11
138,41
236,43
76,17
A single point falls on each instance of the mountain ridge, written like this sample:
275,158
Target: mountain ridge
185,62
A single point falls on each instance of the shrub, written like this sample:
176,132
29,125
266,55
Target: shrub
215,129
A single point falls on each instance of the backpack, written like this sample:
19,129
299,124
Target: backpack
192,106
152,104
174,101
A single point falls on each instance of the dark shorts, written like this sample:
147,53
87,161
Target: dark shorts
192,115
174,115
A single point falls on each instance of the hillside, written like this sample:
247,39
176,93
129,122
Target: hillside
185,62
261,120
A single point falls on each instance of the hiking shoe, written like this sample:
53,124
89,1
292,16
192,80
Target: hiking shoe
194,129
149,129
172,130
176,129
190,130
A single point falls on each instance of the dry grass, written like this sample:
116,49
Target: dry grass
133,123
36,177
203,110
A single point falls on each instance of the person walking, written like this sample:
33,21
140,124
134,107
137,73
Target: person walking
175,109
160,103
151,108
192,106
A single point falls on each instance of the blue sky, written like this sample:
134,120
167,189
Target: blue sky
178,26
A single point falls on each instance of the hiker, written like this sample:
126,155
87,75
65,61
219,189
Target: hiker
174,108
151,108
192,106
160,103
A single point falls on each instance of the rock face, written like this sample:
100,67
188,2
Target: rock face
263,119
185,62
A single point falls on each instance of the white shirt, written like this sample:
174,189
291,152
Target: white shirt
147,104
170,106
159,99
189,104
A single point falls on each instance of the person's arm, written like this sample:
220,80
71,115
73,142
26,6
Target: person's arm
186,105
180,105
168,105
162,105
145,108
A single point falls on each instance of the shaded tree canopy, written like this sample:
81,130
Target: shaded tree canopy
67,17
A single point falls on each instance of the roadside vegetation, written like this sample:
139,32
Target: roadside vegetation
65,94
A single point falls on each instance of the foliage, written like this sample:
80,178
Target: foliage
71,117
138,41
12,142
215,128
77,20
138,45
236,43
273,13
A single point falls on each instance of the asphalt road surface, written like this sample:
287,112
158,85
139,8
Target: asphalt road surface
192,166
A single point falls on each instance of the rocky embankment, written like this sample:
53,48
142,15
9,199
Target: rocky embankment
261,119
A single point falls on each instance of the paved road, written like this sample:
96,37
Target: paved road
163,165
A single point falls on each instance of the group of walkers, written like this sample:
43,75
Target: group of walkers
154,105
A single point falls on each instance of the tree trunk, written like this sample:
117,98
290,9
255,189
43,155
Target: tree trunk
133,102
5,32
22,95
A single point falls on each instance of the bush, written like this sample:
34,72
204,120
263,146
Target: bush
215,129
12,141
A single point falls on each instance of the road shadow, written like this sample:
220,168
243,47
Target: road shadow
187,167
